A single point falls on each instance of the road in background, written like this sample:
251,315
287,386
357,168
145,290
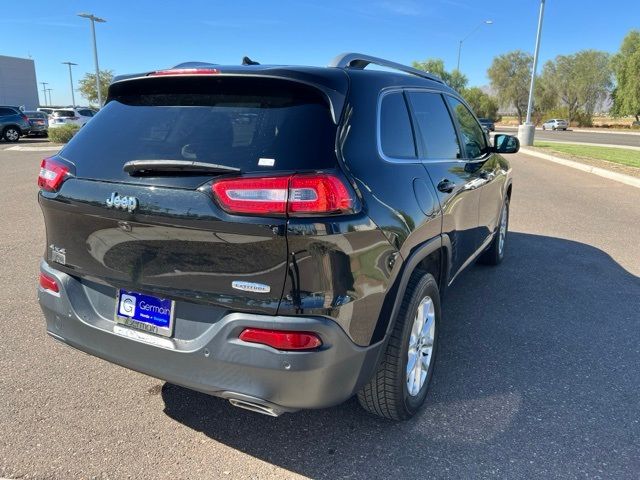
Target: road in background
537,374
580,137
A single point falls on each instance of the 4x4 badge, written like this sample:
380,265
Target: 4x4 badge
123,202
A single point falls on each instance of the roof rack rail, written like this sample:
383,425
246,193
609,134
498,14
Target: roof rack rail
360,62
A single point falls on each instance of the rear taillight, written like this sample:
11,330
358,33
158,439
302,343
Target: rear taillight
24,117
185,71
295,195
48,283
52,174
281,339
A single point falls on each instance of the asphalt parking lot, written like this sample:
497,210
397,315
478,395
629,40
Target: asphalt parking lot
538,374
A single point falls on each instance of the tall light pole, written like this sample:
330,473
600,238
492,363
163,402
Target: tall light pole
44,91
50,101
527,131
73,97
484,22
94,19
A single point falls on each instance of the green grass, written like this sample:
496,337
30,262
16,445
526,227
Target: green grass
622,156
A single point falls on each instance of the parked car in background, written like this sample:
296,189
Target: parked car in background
39,123
46,110
555,124
274,235
13,123
487,122
64,116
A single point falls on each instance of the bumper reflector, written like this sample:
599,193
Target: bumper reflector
281,339
48,283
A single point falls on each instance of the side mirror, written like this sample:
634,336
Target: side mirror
506,144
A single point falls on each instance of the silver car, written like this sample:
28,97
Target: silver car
555,124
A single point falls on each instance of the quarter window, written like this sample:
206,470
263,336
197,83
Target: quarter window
472,134
434,126
396,134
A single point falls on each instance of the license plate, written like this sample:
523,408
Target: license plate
145,312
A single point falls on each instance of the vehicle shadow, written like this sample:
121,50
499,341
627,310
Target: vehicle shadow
537,375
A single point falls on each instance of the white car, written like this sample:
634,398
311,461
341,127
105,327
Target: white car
64,116
555,124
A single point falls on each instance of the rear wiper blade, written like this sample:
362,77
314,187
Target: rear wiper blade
185,166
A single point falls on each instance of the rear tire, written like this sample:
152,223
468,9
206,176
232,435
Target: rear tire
495,253
11,134
398,389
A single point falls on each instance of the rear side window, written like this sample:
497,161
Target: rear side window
255,124
470,130
86,113
396,135
7,111
434,126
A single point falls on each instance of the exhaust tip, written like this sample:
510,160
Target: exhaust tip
254,407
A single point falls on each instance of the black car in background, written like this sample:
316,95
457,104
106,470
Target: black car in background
13,123
488,123
279,236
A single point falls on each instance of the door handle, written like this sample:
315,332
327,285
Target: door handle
446,186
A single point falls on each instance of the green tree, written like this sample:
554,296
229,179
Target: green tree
482,104
626,67
88,85
510,75
579,81
455,79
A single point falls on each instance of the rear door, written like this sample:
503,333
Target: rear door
174,239
454,178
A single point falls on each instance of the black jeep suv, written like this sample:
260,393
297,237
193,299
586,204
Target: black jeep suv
277,236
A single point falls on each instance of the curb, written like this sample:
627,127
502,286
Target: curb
601,172
587,144
603,130
579,130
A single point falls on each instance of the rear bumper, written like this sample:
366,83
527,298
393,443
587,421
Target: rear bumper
217,362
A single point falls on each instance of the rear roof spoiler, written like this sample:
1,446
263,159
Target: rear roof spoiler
333,84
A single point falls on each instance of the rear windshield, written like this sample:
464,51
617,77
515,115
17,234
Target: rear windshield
255,124
64,113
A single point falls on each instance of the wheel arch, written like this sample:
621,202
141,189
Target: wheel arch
433,256
17,127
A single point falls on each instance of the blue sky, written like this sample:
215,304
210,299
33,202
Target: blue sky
145,34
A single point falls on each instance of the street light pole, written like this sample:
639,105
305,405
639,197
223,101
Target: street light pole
484,22
44,91
50,101
73,97
94,19
527,131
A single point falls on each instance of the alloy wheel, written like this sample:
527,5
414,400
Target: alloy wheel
420,354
